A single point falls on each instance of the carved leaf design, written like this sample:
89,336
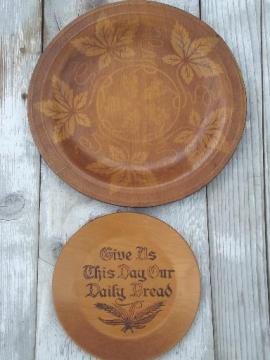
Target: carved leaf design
97,167
53,109
184,137
88,46
62,92
104,31
191,57
124,168
180,40
63,130
82,119
65,109
145,177
104,60
201,47
172,59
205,67
187,73
80,100
110,41
120,177
203,134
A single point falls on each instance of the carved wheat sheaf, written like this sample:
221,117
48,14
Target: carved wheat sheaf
127,316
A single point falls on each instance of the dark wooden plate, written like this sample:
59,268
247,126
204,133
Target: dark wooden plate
137,103
126,286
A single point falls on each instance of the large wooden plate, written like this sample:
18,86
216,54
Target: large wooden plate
137,103
126,286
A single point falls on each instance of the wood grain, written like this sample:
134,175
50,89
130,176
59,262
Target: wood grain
20,43
266,116
118,323
172,70
236,199
236,203
63,211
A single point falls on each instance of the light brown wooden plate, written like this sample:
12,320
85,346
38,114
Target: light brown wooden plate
137,103
126,286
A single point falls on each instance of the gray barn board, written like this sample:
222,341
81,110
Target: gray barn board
226,223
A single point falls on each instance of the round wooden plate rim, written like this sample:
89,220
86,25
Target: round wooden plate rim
92,185
139,341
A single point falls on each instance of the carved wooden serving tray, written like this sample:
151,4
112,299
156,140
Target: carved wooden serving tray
126,286
137,103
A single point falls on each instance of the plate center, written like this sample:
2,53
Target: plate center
137,102
128,287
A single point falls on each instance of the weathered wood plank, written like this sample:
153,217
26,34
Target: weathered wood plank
63,211
266,116
20,43
236,202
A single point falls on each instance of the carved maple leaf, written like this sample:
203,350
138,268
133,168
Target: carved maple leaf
191,57
124,168
110,41
66,109
204,134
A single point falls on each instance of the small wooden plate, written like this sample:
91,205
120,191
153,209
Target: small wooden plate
126,286
137,103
